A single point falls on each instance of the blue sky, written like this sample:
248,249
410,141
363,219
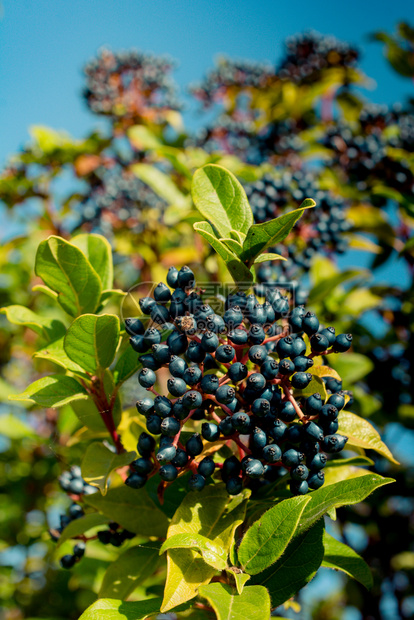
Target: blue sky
45,43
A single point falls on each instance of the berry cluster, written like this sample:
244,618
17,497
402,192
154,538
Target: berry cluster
231,74
244,375
128,84
116,199
308,54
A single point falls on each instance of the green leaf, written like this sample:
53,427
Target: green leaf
98,463
131,508
213,555
262,236
56,353
113,609
126,365
14,428
142,137
342,493
46,327
262,258
327,285
160,183
337,474
67,271
324,371
98,251
213,514
129,570
40,288
362,434
351,367
355,461
52,391
221,199
91,341
235,246
239,577
252,604
341,557
239,272
80,526
296,567
266,540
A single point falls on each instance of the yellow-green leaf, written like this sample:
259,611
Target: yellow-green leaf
98,463
362,434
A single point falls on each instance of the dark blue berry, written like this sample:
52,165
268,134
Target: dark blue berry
209,384
142,466
226,426
170,426
136,481
269,369
298,348
166,454
67,561
177,343
161,353
287,412
75,511
313,404
176,386
319,343
284,347
210,342
149,361
301,380
317,462
162,406
172,277
160,314
316,479
162,293
254,469
237,372
231,468
210,431
192,399
194,445
299,488
302,363
313,431
294,433
147,377
216,324
134,327
146,304
329,333
241,422
180,459
206,467
342,343
234,486
145,406
185,277
146,444
277,430
310,323
239,336
233,317
197,482
257,354
256,382
195,352
258,439
168,472
138,344
300,472
225,394
286,367
225,353
256,334
334,443
292,458
272,453
154,424
192,375
333,385
79,549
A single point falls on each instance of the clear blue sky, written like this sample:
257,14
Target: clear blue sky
44,44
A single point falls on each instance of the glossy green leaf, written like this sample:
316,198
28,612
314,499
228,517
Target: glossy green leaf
266,540
239,272
351,367
355,461
262,258
131,508
240,578
340,494
221,199
233,245
98,251
262,236
212,554
56,353
47,327
324,371
67,271
129,570
316,385
80,526
98,462
113,609
126,365
252,604
91,341
333,475
296,567
362,434
341,557
52,391
213,514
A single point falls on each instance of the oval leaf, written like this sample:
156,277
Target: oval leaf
213,514
113,609
98,251
131,508
91,341
52,391
341,557
296,567
67,271
49,328
252,604
56,353
99,461
129,570
267,538
362,434
262,236
221,199
213,554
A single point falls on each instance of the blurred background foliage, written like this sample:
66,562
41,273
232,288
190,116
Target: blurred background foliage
303,128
